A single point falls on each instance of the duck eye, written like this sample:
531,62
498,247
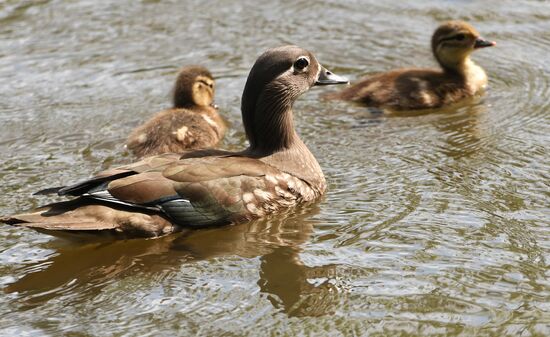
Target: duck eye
301,63
460,37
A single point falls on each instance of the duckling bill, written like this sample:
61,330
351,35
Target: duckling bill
192,123
170,192
413,88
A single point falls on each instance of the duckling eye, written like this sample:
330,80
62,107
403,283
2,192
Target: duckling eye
460,37
301,63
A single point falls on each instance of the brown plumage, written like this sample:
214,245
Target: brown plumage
192,123
166,193
412,88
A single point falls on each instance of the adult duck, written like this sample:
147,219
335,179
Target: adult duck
413,88
193,121
167,193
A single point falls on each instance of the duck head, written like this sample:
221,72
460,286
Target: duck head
454,41
277,79
194,87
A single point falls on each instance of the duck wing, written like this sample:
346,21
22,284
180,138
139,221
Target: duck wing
197,191
146,164
163,194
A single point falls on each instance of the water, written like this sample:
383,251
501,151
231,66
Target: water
433,224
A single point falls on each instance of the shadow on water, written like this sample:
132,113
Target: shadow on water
84,269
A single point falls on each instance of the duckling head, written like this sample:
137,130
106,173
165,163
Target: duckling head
454,41
194,87
279,76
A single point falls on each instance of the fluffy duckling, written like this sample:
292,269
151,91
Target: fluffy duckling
170,192
192,123
411,88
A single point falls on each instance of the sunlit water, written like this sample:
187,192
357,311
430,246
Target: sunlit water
433,224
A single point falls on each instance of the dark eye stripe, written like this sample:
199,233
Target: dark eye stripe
206,83
451,38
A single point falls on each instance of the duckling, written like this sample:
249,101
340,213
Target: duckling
412,88
192,123
170,192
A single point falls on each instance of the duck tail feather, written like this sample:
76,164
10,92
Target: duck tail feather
58,216
49,190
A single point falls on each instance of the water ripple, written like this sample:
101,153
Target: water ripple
434,223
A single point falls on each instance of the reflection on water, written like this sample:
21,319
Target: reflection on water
298,289
84,268
435,222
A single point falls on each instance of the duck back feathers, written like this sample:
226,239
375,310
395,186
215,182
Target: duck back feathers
408,89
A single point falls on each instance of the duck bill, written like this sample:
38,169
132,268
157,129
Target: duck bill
327,78
482,43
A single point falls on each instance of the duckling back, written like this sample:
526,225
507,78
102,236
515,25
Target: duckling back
406,89
176,130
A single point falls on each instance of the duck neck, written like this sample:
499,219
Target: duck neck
181,98
269,126
474,76
186,106
269,123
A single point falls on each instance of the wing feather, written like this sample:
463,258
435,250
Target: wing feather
194,191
